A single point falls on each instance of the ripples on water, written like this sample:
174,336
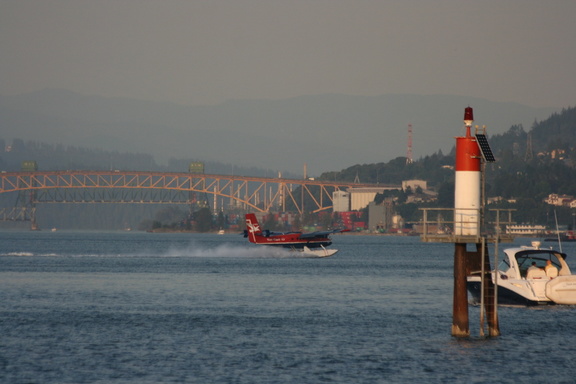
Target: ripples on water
162,308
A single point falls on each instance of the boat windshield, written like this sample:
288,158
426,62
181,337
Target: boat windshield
504,265
525,260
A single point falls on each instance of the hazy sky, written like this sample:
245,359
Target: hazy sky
205,52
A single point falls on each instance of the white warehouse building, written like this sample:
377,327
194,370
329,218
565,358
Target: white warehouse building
361,197
340,201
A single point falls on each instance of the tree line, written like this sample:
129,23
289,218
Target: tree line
529,166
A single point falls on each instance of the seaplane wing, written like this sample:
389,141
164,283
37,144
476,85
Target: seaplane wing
321,233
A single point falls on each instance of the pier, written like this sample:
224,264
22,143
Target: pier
468,224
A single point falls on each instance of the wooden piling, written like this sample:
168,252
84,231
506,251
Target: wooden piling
474,266
460,323
489,292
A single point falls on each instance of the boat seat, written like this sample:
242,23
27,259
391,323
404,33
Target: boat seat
552,272
536,274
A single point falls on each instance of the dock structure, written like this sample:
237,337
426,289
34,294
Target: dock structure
467,224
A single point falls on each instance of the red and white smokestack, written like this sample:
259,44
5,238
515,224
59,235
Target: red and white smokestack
467,183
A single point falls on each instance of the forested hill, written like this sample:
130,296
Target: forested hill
530,164
55,157
535,163
558,132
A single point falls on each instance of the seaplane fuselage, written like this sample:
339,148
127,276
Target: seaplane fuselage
286,239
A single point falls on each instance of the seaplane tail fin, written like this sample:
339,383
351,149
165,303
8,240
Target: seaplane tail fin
252,227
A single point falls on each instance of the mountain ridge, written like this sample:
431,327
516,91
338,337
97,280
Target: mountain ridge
327,132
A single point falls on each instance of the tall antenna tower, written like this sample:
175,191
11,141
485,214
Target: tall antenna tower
409,149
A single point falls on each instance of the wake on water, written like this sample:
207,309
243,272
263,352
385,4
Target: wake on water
191,250
230,250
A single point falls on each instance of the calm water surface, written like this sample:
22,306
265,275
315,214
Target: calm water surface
82,307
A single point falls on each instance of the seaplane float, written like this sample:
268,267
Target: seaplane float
312,244
530,275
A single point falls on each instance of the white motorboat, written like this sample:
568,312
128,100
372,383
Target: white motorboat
519,284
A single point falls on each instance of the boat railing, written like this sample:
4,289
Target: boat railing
464,225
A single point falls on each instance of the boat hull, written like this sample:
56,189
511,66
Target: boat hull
506,296
560,290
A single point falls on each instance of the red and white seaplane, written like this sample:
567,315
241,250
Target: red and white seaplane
313,243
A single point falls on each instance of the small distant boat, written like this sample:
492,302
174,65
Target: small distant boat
567,236
54,229
518,286
221,232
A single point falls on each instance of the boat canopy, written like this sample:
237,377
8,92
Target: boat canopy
519,260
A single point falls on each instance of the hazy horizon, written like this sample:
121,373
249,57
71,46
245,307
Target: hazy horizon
224,55
326,132
205,52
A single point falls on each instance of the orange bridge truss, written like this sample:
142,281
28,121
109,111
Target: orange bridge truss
251,193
